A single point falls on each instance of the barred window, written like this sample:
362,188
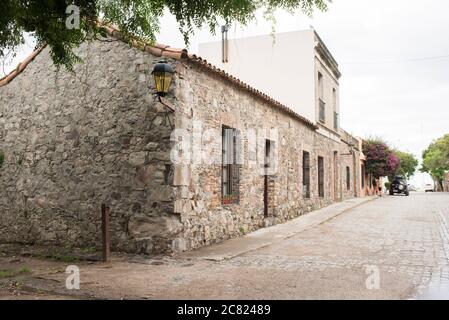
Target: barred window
231,149
348,178
306,174
321,177
363,175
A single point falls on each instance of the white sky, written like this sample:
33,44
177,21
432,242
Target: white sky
387,88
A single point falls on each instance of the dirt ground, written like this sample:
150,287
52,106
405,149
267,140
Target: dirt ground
170,278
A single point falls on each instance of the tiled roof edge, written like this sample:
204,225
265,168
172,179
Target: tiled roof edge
20,67
182,54
161,50
203,63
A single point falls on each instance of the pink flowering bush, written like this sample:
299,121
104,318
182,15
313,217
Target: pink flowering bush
380,159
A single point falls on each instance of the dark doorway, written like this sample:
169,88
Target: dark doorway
336,198
321,177
354,179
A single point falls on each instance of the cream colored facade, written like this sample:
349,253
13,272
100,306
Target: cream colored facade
286,67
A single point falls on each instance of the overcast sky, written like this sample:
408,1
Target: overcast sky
394,57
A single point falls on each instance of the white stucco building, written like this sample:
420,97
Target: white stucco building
294,68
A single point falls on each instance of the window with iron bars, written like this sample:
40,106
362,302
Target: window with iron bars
363,175
230,177
348,178
321,177
306,174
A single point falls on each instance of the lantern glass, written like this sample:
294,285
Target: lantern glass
162,81
163,74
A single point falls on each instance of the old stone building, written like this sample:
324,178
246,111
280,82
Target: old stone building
214,159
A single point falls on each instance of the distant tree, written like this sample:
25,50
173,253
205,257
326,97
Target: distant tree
436,160
408,163
46,20
381,161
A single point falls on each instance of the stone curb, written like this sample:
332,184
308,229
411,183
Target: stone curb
243,250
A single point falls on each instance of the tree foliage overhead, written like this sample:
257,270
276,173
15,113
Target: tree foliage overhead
436,159
45,20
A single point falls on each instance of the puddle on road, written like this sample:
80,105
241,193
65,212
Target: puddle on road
434,293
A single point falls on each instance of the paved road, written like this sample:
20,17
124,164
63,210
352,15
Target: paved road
394,247
404,238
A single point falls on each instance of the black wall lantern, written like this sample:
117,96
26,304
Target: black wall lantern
163,74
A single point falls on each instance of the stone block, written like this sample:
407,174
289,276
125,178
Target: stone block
152,146
137,158
148,174
179,206
143,227
161,193
181,175
179,245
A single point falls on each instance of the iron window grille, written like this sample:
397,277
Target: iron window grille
306,174
348,178
321,177
230,177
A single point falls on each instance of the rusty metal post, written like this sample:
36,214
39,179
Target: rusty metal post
105,231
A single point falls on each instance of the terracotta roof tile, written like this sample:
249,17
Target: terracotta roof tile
161,50
20,67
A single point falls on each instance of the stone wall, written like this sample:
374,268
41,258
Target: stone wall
73,141
207,99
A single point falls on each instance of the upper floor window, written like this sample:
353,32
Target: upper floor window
322,111
320,86
230,175
322,104
334,98
336,120
334,105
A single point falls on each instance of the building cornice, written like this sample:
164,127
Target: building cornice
326,56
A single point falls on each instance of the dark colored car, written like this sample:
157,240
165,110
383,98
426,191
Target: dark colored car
400,186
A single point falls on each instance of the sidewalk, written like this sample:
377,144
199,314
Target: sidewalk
266,236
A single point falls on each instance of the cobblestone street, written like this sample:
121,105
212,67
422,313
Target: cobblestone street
404,238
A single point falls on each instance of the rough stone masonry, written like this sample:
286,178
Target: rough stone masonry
72,141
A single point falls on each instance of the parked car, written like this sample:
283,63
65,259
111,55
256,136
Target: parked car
399,186
411,187
429,187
